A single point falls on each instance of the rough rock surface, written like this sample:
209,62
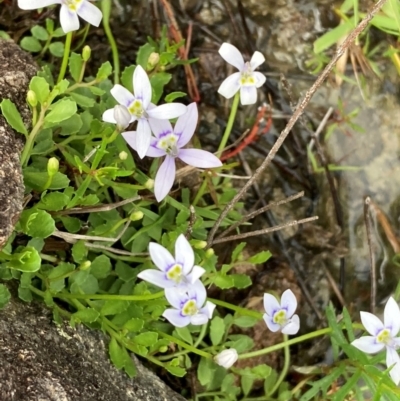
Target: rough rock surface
17,68
40,361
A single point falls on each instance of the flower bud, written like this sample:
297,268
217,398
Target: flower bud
163,349
122,116
31,98
209,253
226,358
52,166
198,244
135,216
86,53
153,60
85,265
149,184
123,155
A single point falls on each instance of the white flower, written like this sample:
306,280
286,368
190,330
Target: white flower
188,305
226,358
141,109
247,80
122,116
383,335
70,9
281,316
175,272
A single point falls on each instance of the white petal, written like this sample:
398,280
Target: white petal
153,151
199,158
157,278
289,302
108,116
271,304
230,85
184,254
164,178
167,111
208,309
90,13
231,55
392,316
35,4
199,319
198,291
259,78
160,127
141,86
274,327
176,297
161,256
371,323
368,345
248,95
293,326
143,137
186,125
122,95
68,19
174,317
392,358
256,60
195,274
122,116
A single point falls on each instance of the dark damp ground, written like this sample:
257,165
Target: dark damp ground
322,259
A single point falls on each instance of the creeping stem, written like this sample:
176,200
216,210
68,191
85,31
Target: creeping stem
64,63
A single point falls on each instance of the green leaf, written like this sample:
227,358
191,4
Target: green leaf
28,260
53,201
82,101
87,315
39,33
41,88
146,339
31,44
217,330
4,296
127,77
37,223
11,114
237,251
60,111
89,286
61,270
223,282
333,36
116,353
113,307
58,33
135,324
245,321
57,49
143,54
104,71
184,333
75,66
261,257
71,224
174,95
37,180
175,370
394,6
158,81
101,266
25,294
240,281
50,26
205,371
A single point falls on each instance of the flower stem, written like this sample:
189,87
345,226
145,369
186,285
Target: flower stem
110,297
285,366
64,63
106,8
229,125
242,311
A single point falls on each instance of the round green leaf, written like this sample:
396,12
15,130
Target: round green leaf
37,223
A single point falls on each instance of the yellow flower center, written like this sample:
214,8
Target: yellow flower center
247,77
168,143
73,5
190,308
136,108
384,337
280,317
175,273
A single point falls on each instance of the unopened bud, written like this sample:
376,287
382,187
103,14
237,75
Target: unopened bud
86,53
149,184
31,98
123,155
135,216
52,166
122,116
163,349
153,60
209,253
198,244
85,265
226,358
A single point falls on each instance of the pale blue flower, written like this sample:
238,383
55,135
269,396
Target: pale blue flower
383,335
179,271
280,316
188,305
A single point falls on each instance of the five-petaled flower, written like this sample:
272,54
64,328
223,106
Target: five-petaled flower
168,142
226,358
70,9
175,272
246,80
383,335
281,316
141,109
188,305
